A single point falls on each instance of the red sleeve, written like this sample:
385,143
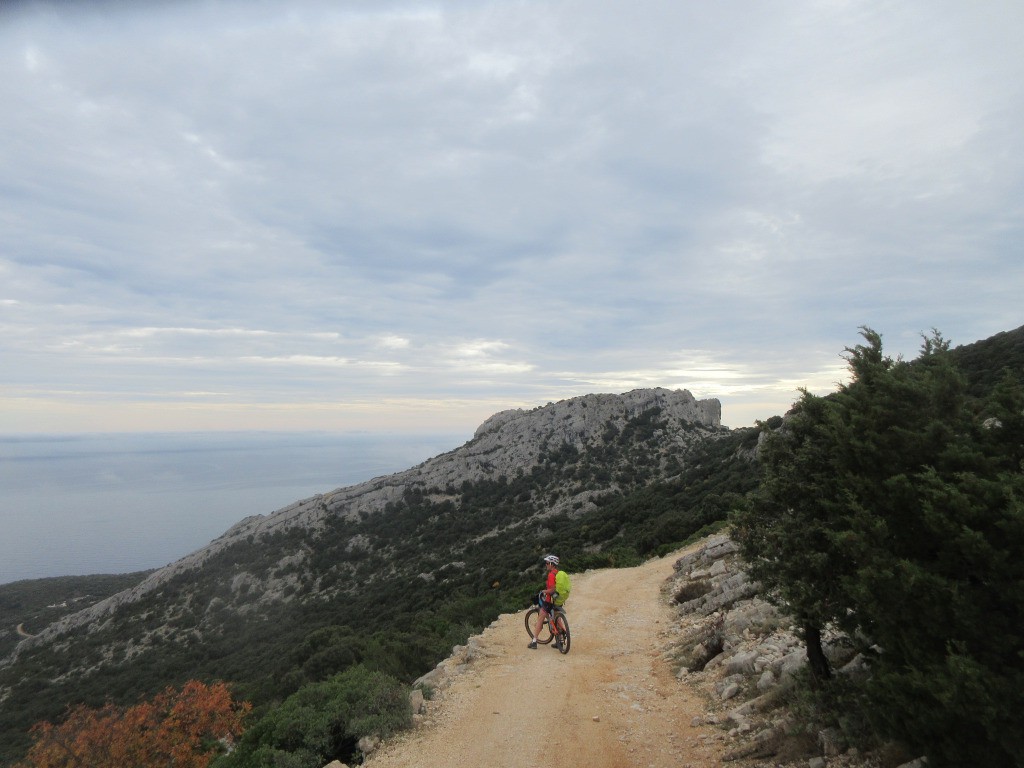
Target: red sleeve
551,579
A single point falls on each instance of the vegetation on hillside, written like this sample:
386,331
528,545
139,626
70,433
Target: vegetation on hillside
894,510
985,363
36,603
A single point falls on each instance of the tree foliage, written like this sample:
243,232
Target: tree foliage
184,728
894,509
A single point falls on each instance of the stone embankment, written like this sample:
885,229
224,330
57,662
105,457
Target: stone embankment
745,656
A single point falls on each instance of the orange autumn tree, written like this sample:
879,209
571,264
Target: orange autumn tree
182,728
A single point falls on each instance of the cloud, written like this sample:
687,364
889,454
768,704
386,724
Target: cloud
490,203
393,342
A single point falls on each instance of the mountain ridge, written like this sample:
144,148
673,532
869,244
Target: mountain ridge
509,441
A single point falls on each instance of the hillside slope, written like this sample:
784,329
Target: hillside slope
510,444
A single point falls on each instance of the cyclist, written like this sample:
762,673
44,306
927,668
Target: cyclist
546,600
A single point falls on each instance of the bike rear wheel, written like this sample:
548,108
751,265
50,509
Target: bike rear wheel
530,621
562,631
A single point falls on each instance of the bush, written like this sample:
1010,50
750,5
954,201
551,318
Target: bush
324,721
183,727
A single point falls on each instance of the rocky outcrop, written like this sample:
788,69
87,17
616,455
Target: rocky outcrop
579,420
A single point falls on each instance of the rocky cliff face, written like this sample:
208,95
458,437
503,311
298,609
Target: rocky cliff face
508,444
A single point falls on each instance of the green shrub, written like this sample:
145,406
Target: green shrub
324,721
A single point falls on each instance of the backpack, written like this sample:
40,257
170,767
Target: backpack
563,586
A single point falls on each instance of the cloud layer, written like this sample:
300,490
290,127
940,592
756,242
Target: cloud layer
223,215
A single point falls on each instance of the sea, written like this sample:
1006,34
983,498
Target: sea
73,505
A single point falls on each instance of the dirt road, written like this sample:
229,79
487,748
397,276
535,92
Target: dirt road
612,702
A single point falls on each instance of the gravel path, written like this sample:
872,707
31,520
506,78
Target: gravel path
612,702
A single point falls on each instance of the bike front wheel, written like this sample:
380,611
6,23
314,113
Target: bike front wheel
562,631
545,636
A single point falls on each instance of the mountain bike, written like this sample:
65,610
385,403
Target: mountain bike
556,625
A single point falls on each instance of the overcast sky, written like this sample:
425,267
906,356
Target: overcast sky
410,215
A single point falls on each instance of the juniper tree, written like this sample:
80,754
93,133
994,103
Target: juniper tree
787,529
893,508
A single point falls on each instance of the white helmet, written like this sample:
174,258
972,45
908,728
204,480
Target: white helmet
553,559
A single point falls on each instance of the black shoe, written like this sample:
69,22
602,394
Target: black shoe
533,645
